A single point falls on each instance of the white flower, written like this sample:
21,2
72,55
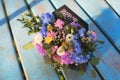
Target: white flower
37,39
69,37
60,51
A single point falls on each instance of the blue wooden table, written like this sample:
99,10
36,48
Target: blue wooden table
103,16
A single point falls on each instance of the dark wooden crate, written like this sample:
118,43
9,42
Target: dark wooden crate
69,14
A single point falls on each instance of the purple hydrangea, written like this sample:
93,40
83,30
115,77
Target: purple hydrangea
40,49
66,59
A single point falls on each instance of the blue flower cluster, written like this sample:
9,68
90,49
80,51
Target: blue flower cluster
77,46
82,32
46,19
77,56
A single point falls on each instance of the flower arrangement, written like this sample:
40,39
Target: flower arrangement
62,39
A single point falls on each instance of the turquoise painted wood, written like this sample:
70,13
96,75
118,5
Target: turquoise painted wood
108,21
33,63
115,5
45,6
108,68
9,66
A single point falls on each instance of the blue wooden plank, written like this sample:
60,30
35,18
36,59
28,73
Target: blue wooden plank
33,64
9,66
45,6
107,20
41,7
109,58
115,5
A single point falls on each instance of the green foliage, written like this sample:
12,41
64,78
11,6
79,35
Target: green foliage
94,61
93,73
60,75
28,46
47,46
31,22
81,72
101,42
58,15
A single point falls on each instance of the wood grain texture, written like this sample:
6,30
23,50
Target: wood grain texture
45,6
33,63
115,5
9,66
109,65
107,20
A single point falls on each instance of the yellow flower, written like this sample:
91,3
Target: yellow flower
63,44
48,40
49,27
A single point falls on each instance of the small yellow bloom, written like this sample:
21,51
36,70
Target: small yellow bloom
48,40
63,44
49,27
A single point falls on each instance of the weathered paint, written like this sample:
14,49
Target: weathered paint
105,17
115,5
33,63
9,66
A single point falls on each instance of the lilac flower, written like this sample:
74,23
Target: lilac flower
40,49
65,59
82,32
47,18
75,24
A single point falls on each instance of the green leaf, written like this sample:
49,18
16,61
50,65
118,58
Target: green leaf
28,46
61,77
31,32
101,42
19,20
94,61
49,50
81,72
93,73
47,46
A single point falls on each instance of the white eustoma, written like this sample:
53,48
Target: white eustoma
38,39
69,37
60,51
